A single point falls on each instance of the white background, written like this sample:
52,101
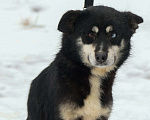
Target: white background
29,41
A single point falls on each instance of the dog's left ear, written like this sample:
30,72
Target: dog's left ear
67,22
133,20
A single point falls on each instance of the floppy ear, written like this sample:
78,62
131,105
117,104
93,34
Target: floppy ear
133,20
67,22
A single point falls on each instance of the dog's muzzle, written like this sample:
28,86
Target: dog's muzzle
102,59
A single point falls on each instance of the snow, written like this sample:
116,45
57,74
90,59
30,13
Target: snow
29,41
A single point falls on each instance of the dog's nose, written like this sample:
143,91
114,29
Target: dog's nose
101,57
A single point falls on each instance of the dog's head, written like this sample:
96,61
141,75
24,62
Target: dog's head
101,34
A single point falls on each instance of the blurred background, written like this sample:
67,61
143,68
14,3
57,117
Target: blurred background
29,40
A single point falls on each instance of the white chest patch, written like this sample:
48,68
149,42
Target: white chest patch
92,108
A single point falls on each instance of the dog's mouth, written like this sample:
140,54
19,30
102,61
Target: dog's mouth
109,62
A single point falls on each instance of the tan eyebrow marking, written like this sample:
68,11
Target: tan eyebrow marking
95,29
109,28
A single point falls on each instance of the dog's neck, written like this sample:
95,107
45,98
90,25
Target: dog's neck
106,76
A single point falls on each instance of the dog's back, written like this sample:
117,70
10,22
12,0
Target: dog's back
40,101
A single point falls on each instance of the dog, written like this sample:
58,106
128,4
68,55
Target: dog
77,85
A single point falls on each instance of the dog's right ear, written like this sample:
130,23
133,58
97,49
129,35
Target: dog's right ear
67,22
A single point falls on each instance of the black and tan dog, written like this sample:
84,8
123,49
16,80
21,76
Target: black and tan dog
78,83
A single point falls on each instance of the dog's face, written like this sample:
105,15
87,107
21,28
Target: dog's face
101,34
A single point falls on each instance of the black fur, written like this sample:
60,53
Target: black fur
67,78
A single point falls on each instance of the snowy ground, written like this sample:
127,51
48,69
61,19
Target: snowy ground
29,41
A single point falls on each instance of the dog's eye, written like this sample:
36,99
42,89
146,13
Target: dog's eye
91,35
113,35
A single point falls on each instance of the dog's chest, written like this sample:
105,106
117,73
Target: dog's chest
92,108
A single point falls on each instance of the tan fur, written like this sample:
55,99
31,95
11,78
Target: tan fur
92,108
95,29
109,28
85,51
102,71
115,49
